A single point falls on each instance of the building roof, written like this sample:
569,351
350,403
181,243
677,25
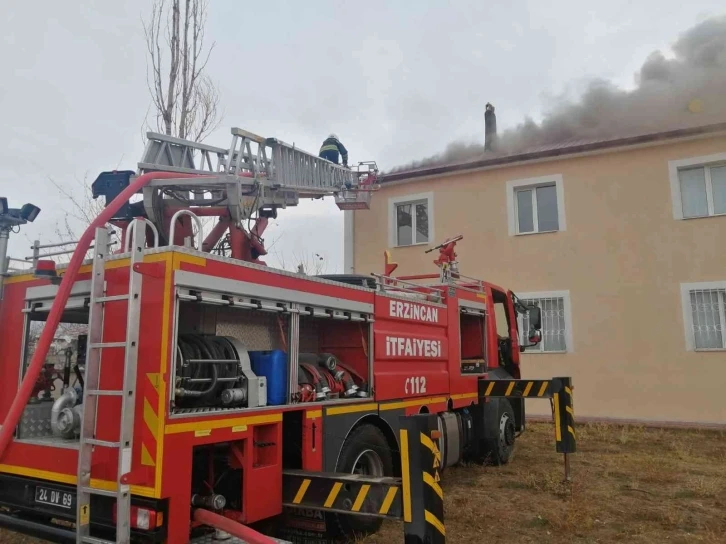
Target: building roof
570,147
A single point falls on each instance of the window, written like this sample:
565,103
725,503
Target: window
698,186
501,320
472,337
704,312
411,220
412,223
536,205
556,321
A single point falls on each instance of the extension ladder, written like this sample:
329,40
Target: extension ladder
265,160
92,391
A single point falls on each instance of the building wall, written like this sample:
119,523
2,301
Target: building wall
622,258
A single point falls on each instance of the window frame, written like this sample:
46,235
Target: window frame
539,295
413,199
514,186
706,162
479,309
686,289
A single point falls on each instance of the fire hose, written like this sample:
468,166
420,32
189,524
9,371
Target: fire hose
64,291
327,375
251,536
321,386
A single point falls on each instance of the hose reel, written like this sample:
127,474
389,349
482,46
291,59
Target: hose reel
215,371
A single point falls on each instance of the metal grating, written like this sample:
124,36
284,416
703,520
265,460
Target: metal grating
708,316
207,410
554,325
255,329
35,421
309,334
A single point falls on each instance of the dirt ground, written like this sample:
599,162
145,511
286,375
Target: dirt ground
631,484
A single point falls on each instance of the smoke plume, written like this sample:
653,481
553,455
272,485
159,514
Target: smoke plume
684,91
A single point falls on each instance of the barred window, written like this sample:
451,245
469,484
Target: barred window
708,309
556,334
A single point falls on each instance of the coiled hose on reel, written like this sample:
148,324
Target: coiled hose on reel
206,366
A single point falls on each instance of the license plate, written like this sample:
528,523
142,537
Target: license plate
54,497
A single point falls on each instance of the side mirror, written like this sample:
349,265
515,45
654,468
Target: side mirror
535,317
534,337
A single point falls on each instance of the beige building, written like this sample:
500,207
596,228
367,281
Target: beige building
620,241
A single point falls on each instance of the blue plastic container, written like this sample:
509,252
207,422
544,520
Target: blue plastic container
273,366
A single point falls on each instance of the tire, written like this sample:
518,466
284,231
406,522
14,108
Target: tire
497,448
365,451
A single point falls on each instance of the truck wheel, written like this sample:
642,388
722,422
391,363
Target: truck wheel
499,422
367,452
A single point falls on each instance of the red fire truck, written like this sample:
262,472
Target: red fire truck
167,383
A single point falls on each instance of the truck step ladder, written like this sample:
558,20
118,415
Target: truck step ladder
92,391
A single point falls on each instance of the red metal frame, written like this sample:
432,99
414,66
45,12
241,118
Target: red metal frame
430,377
416,357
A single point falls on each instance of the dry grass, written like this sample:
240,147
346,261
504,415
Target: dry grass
631,484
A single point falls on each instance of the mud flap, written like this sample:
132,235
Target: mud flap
519,414
490,415
306,526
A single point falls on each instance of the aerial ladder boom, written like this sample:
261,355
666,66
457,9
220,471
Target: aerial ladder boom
243,184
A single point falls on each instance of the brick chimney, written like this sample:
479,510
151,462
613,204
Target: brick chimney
490,128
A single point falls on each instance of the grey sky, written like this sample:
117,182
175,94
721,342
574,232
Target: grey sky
396,80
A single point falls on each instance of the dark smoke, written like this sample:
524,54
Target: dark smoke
687,90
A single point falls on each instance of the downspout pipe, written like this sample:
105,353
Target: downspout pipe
64,291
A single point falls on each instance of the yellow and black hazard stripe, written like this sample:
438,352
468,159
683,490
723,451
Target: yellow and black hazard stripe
416,497
434,503
558,389
346,493
516,388
564,416
423,498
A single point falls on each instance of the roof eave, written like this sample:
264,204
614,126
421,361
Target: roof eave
507,160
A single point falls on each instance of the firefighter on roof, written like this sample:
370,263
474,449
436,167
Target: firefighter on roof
332,148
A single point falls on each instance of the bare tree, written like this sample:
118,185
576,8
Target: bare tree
82,210
184,98
83,207
312,264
